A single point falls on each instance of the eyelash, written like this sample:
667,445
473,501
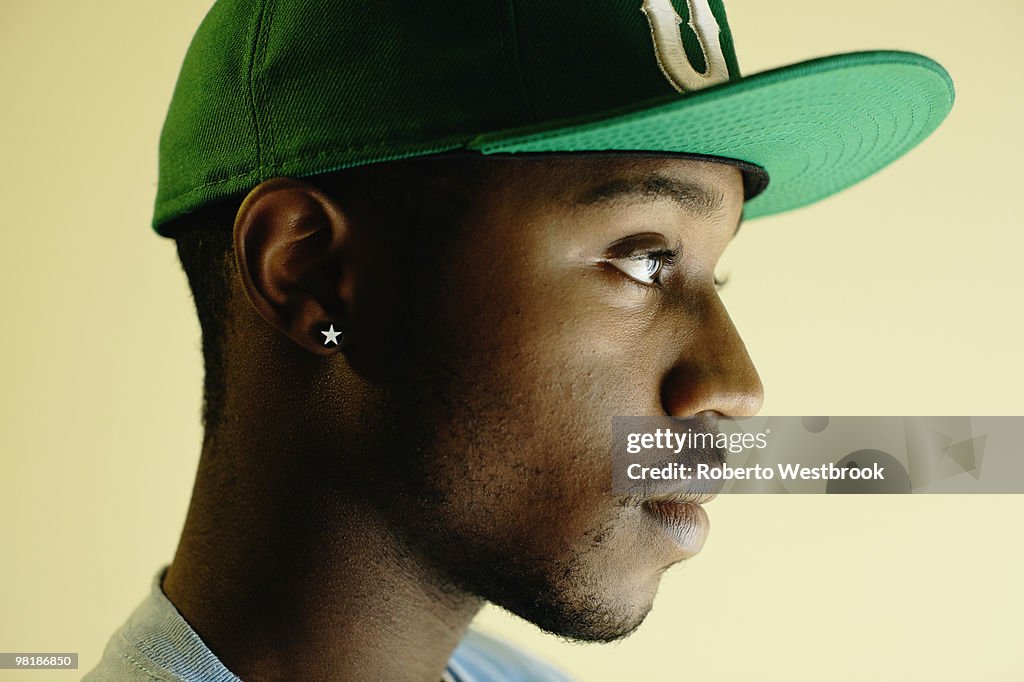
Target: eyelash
667,258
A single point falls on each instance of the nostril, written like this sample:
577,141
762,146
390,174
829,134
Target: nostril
688,389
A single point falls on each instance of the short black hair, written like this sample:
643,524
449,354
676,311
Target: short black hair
425,196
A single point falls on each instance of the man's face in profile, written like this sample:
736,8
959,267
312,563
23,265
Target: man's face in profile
580,289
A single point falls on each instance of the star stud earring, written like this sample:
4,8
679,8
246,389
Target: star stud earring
332,337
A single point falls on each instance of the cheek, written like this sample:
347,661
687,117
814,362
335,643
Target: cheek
529,368
526,440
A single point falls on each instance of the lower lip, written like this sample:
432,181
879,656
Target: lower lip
686,523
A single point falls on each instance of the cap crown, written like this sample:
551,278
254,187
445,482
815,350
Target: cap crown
300,87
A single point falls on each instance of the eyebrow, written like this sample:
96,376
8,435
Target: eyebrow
690,196
693,198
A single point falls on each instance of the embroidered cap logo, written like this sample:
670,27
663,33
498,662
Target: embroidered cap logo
668,44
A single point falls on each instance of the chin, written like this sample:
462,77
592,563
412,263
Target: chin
592,621
584,610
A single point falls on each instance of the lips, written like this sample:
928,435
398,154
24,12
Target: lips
673,504
683,520
697,490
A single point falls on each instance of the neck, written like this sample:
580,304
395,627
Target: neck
285,577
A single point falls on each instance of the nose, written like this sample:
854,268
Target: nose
713,371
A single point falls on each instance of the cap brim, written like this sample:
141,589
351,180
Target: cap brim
816,127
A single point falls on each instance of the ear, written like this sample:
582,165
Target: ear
290,242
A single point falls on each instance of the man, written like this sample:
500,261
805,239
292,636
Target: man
435,248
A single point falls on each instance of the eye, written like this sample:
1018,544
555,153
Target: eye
645,267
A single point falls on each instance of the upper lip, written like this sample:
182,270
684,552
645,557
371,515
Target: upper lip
688,491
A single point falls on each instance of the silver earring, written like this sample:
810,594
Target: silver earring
332,337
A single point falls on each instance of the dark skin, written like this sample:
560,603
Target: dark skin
355,507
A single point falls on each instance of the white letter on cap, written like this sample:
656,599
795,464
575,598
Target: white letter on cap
668,44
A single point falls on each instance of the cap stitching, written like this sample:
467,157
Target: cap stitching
252,90
518,49
711,94
270,141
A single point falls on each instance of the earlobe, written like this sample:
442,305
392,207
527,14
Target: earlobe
290,239
333,337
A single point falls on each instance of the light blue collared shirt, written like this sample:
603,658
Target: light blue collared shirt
157,644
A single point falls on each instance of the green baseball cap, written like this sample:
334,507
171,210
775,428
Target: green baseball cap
302,87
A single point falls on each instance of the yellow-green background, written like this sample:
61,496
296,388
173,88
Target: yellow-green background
901,296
